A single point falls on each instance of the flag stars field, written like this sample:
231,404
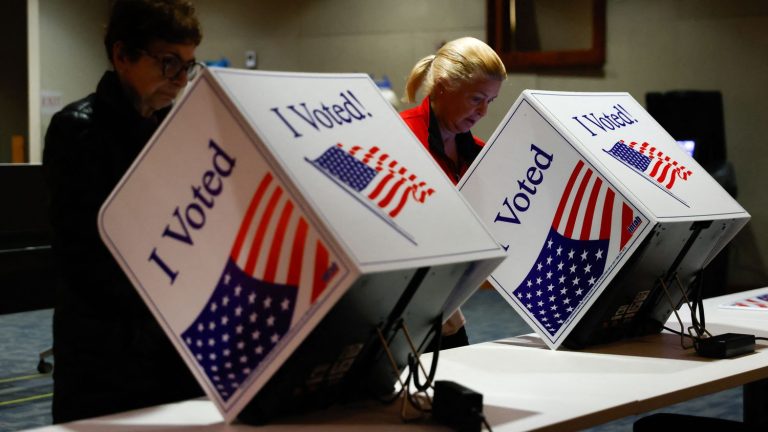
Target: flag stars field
584,258
231,325
254,302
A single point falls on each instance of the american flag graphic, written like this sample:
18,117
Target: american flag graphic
277,268
591,227
651,163
756,302
375,179
376,175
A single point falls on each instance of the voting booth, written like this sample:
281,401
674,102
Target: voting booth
280,225
605,220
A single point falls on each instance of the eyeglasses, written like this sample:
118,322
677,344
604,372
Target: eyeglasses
173,66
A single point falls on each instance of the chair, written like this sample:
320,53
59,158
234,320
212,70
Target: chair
27,273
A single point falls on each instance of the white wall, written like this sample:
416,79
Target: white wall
232,27
72,56
661,45
653,45
377,37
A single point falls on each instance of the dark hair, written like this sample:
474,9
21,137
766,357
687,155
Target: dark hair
137,23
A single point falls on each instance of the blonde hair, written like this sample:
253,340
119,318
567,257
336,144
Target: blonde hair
460,60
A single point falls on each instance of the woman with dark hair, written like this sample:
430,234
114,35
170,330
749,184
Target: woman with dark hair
110,353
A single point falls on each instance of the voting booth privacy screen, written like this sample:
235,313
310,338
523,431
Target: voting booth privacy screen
606,221
275,221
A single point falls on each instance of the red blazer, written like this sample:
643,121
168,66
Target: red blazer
418,119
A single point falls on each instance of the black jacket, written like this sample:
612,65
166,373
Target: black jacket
110,353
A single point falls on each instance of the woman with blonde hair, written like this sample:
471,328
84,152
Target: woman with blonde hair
459,82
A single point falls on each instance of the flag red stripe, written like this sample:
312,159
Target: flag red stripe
297,254
370,154
257,197
758,303
421,195
605,222
376,191
391,194
591,204
277,242
253,254
577,204
566,194
671,176
321,266
655,169
401,204
663,174
626,220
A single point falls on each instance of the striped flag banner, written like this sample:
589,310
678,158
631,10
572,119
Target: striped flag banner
652,164
759,302
277,269
591,227
374,179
